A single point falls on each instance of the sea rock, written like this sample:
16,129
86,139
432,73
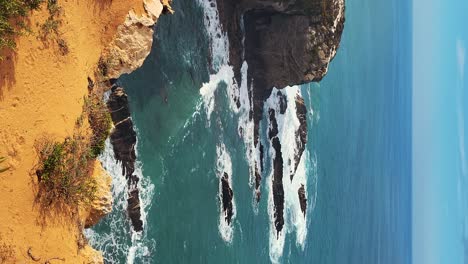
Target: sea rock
123,139
277,183
133,40
284,43
102,204
302,199
227,196
301,133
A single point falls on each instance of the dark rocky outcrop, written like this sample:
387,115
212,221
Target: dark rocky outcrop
227,196
284,42
302,199
301,133
287,42
277,183
123,139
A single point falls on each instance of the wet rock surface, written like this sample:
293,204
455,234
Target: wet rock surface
301,133
284,42
123,139
302,199
227,196
277,183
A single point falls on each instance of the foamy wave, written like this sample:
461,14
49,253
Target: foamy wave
224,165
294,219
246,124
121,241
207,91
219,47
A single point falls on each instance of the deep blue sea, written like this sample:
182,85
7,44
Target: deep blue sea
357,166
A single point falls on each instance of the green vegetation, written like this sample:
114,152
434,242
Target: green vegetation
12,19
13,22
3,169
100,122
64,168
64,171
49,30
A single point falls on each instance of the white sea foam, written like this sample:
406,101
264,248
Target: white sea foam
207,91
219,47
116,243
219,50
241,100
224,165
246,124
294,219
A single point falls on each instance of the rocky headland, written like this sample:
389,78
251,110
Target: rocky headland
285,43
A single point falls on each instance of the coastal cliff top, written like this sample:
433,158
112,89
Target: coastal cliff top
41,91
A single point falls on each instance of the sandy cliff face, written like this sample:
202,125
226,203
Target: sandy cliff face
41,92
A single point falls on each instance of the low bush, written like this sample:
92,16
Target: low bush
64,168
100,122
12,19
64,171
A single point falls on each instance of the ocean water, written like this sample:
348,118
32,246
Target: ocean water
356,166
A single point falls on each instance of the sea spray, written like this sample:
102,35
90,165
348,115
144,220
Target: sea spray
285,114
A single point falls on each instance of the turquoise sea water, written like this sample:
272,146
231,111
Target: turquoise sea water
357,163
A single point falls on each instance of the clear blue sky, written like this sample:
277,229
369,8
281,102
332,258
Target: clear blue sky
440,111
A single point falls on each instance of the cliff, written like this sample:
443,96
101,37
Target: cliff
285,43
41,92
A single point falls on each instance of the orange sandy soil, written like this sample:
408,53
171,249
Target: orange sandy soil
42,92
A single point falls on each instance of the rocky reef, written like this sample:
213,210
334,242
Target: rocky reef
301,133
285,43
277,183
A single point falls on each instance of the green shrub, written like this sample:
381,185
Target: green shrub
64,171
100,122
12,16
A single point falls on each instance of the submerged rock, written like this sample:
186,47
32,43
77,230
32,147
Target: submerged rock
227,196
123,139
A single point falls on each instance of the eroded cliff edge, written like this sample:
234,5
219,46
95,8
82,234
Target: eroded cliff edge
284,43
